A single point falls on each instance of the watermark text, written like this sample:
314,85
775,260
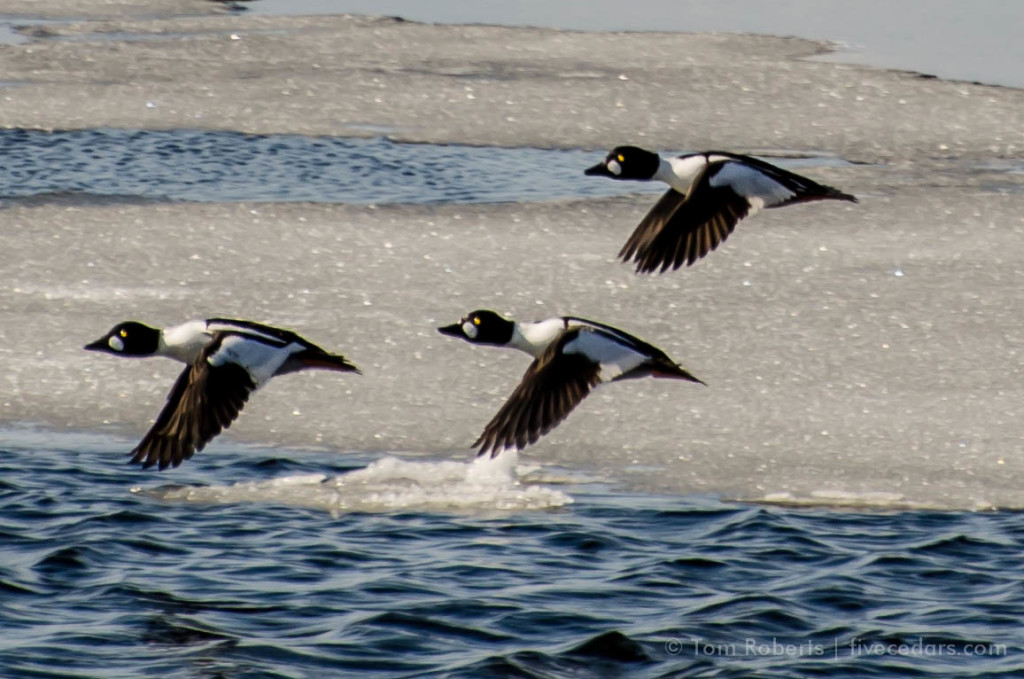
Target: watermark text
855,647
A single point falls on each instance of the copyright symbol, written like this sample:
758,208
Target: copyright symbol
673,647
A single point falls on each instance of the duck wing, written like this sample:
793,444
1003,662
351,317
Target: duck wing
554,384
204,401
682,229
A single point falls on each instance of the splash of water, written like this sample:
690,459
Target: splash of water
388,485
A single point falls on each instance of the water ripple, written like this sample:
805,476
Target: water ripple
99,581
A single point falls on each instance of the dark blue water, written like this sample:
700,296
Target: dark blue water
98,581
210,166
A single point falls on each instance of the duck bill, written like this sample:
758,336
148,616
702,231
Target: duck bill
98,345
453,330
599,170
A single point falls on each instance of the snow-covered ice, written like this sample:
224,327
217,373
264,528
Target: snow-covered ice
855,354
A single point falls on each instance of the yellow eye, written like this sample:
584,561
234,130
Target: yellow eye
124,333
476,320
622,158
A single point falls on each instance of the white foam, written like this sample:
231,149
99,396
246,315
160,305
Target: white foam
388,485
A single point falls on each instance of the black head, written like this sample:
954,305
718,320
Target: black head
128,339
626,162
481,327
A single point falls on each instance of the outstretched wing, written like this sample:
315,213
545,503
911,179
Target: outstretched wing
551,387
204,401
652,224
680,230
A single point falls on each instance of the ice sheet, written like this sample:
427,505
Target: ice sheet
867,350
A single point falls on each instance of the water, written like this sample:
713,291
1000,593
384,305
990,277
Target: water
193,165
109,571
229,166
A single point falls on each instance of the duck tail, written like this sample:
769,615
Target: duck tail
325,361
676,372
832,193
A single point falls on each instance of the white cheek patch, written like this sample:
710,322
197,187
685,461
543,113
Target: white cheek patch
469,329
614,167
116,344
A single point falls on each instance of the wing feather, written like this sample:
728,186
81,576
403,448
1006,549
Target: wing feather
699,226
550,389
652,224
204,401
682,229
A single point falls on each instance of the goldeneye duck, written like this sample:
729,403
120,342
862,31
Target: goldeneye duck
227,359
709,193
571,357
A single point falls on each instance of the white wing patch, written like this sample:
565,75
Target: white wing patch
759,189
260,360
615,359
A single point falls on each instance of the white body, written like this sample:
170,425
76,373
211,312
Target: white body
758,188
680,172
534,338
615,359
260,354
184,342
598,344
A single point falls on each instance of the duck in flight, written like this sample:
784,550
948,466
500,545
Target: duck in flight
571,357
709,193
226,360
